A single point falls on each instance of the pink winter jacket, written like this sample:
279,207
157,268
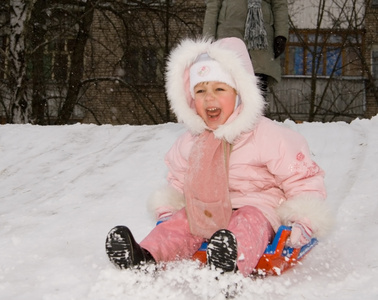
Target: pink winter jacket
267,166
270,165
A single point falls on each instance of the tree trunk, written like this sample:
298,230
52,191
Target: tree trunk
37,39
19,105
77,65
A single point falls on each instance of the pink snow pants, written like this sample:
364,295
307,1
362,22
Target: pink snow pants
172,240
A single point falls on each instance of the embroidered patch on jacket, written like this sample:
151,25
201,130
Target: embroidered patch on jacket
304,167
300,156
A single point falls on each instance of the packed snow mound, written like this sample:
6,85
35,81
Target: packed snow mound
63,188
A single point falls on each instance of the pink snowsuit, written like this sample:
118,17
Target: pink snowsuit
272,177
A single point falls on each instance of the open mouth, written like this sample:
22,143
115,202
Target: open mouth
213,112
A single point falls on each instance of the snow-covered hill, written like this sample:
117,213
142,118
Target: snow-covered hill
63,188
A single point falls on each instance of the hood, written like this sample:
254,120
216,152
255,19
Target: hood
232,54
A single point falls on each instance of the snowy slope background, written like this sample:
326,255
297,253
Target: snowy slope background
63,188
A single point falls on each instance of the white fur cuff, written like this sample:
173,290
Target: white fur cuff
165,199
307,207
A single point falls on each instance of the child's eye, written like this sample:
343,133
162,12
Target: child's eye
199,91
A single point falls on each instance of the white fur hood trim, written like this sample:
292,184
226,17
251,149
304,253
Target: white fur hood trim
165,199
310,207
232,54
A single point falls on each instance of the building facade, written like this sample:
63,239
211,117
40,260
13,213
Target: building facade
329,68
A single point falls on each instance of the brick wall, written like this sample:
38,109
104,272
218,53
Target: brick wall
113,101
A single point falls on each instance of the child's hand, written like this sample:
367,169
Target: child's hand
300,235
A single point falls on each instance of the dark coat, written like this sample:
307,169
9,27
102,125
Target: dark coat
226,18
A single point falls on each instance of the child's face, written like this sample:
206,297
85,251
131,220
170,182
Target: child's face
214,102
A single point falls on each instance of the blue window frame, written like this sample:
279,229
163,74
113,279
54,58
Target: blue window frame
311,54
328,53
333,62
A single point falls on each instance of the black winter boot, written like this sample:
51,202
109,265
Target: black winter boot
222,251
123,251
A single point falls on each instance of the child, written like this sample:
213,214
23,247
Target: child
234,177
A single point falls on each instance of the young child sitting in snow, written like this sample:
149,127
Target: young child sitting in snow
234,177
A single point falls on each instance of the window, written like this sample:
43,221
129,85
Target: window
314,59
333,61
374,3
141,66
56,60
324,54
60,52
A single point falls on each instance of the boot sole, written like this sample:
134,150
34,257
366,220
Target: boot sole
119,247
222,251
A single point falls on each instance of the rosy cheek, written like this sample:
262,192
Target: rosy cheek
198,106
230,107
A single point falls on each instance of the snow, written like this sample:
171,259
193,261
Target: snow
63,188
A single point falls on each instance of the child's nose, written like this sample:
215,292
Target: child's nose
209,96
